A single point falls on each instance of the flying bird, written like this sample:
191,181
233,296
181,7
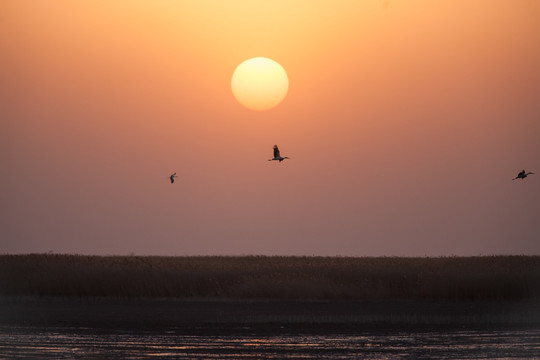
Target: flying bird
522,175
172,177
277,156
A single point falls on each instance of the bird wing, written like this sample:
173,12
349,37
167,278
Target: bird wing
276,152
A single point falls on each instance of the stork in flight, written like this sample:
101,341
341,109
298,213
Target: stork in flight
172,177
522,175
277,156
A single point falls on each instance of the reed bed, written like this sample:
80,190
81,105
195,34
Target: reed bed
272,277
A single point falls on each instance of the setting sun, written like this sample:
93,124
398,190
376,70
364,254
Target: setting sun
259,83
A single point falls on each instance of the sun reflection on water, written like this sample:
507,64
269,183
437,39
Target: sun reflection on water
71,343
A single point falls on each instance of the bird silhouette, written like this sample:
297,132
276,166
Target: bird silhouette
277,156
522,175
172,177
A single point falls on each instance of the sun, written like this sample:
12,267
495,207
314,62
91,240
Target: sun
259,83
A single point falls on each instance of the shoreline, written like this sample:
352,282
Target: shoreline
263,315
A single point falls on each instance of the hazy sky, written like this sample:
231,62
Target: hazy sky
405,122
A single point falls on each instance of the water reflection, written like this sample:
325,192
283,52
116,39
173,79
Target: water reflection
71,343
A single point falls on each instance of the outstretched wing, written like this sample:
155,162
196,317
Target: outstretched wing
276,152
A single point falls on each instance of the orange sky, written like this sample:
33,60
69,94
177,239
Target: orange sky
405,122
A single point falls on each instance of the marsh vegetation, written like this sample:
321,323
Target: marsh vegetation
274,277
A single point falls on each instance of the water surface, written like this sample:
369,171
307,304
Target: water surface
19,342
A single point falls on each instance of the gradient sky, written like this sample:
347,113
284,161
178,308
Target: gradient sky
405,122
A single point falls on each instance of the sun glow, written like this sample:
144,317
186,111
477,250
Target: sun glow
259,83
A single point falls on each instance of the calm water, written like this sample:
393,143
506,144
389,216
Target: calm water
71,343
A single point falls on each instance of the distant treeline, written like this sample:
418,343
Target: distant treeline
273,277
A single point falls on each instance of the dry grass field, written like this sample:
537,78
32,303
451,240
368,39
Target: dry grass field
275,277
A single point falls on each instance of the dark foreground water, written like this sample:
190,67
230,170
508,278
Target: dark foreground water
111,328
86,343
